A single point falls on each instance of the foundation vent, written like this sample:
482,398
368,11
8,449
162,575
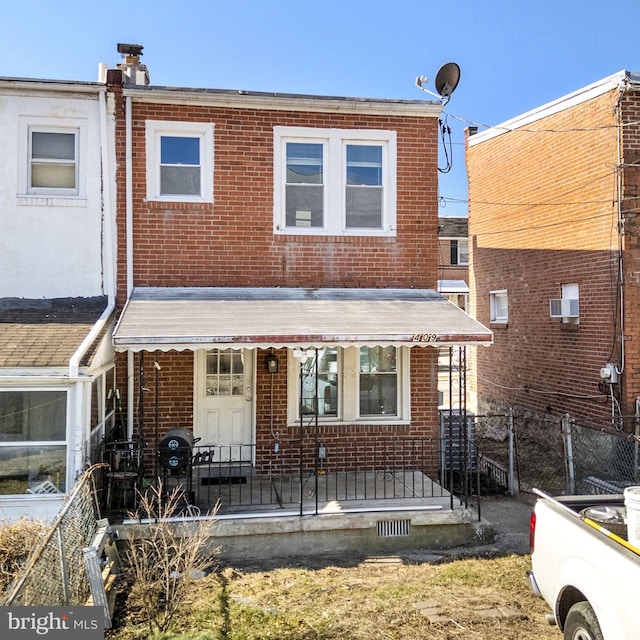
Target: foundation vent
393,528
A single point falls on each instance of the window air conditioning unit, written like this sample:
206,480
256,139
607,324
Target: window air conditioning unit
563,308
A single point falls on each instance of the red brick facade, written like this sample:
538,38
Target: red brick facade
231,243
544,212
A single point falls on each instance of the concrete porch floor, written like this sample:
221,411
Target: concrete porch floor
372,512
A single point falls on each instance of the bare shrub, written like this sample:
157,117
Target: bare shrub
165,555
17,540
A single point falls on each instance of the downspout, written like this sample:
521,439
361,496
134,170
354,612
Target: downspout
619,187
74,362
129,251
83,385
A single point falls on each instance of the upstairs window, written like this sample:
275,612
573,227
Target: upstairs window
179,161
459,252
334,181
53,161
304,185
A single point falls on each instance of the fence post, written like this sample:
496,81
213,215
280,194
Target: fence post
568,446
512,479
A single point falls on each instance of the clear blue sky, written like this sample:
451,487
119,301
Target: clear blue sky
514,55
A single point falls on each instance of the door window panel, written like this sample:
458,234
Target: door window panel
225,373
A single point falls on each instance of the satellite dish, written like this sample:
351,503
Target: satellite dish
447,79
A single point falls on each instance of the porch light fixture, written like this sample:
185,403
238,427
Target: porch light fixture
271,363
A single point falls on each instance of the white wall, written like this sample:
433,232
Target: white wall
49,247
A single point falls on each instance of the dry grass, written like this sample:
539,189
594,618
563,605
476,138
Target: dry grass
373,600
17,540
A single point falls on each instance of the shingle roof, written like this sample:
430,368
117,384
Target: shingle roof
46,333
450,227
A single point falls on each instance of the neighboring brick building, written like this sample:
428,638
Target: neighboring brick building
263,235
555,255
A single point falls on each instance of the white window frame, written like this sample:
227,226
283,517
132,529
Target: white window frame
349,390
76,126
203,131
495,312
35,444
463,242
335,143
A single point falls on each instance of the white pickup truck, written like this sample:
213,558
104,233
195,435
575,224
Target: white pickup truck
587,574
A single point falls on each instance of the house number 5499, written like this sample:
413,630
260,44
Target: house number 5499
424,337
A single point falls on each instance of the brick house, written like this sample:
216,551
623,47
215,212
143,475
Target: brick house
453,259
57,376
277,270
555,258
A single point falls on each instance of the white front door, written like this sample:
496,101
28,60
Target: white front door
224,407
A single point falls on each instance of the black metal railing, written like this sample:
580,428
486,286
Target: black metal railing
310,478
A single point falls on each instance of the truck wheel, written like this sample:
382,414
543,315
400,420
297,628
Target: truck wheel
582,624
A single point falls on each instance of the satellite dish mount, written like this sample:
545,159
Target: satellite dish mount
446,82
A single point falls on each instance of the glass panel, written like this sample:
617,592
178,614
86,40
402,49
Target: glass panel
364,165
96,402
364,207
53,146
304,163
304,206
225,363
33,415
237,385
179,150
225,373
183,181
326,400
32,468
378,381
53,176
463,252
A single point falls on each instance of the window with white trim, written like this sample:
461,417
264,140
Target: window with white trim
179,161
334,181
33,445
349,384
53,161
52,155
499,306
459,251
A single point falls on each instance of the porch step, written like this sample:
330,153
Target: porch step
221,471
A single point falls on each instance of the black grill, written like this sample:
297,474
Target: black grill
175,450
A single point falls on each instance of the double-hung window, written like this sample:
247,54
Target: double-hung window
334,181
459,252
179,161
366,384
53,161
53,155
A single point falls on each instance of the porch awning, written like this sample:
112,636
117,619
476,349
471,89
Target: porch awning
205,318
453,286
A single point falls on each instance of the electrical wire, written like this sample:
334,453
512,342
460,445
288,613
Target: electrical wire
445,138
527,389
542,130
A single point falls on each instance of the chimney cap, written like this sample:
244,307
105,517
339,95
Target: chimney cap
134,50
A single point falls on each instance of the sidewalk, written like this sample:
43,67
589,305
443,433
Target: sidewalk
510,519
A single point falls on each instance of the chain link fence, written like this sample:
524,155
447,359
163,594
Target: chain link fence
557,455
55,574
